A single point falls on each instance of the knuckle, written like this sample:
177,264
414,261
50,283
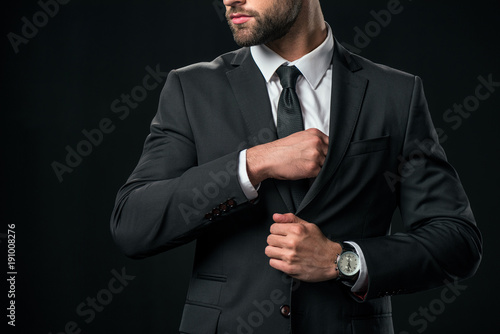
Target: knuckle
302,228
291,258
316,141
314,131
319,140
314,154
295,229
311,165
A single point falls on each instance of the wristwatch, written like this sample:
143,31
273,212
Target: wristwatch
348,263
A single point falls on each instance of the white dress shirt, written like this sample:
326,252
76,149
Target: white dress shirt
314,90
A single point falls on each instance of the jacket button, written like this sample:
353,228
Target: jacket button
285,311
216,212
223,207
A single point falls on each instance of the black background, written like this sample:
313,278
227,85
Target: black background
64,81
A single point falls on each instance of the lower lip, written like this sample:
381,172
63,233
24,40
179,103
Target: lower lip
241,19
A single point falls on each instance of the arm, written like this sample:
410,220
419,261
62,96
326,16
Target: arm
164,203
441,241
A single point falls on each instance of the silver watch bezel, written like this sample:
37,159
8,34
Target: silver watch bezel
358,267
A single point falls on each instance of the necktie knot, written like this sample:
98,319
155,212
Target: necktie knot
288,76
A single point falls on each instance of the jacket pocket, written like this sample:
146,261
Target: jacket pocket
368,146
197,319
212,277
206,288
376,324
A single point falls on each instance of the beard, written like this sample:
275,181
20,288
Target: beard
269,26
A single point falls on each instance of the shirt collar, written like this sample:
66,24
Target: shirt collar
313,65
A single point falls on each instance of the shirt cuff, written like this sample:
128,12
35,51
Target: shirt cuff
361,284
245,184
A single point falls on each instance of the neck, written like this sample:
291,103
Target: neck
308,32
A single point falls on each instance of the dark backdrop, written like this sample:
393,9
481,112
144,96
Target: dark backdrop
67,73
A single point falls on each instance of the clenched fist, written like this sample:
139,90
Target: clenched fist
298,156
301,250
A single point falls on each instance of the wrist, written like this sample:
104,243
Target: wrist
256,166
336,250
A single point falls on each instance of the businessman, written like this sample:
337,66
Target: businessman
285,160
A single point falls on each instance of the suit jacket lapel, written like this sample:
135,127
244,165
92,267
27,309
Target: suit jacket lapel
249,88
348,90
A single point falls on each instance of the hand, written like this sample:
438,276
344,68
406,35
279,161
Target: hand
298,156
301,250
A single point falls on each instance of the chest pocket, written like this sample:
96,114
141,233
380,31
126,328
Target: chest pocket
368,146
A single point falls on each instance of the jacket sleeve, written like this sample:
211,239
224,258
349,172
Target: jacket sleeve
441,241
169,198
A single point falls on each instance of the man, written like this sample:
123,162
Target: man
288,176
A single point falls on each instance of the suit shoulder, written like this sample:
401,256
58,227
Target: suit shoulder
376,71
219,65
386,79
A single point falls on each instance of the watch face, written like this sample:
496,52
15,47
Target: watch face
348,263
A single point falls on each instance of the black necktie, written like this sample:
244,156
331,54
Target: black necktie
290,121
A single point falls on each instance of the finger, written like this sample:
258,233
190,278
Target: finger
324,138
320,134
322,159
290,218
325,148
286,218
282,266
276,240
324,145
327,140
279,229
274,252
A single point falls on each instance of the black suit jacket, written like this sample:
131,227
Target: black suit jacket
383,154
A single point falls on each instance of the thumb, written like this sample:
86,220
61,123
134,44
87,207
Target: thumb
287,218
